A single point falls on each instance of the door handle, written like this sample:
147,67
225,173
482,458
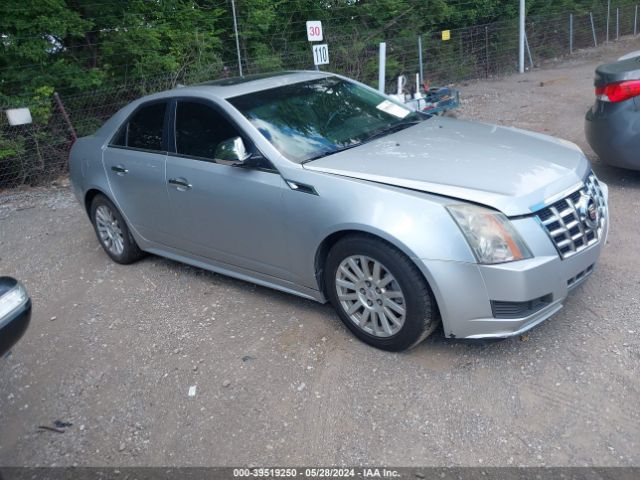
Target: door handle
120,170
181,184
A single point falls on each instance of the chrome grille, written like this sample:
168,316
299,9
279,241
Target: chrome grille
565,223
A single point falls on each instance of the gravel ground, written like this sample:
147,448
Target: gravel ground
114,350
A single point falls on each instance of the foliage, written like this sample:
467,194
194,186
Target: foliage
10,148
81,45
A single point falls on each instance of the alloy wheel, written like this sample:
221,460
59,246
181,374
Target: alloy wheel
109,230
370,295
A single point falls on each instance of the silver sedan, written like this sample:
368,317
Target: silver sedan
317,185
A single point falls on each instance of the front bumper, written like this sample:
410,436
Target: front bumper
465,292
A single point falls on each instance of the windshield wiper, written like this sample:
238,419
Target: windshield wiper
330,152
380,133
392,129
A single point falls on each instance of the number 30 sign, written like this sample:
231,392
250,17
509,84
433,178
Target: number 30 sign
314,31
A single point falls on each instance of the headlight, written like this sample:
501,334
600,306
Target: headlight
489,234
12,300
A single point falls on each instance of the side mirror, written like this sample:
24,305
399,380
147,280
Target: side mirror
232,152
15,312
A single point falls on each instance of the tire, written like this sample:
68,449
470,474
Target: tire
112,232
396,280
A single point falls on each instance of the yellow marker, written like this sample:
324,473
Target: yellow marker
446,35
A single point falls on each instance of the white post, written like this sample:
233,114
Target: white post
382,66
635,22
235,29
593,29
521,45
618,23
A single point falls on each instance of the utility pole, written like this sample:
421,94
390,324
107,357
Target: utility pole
522,33
235,29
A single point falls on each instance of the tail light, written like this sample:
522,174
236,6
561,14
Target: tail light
618,92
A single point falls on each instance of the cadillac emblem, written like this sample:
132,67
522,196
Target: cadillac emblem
588,211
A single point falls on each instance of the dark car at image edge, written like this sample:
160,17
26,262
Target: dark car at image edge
15,312
612,124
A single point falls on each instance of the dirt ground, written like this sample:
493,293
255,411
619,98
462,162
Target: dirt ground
115,349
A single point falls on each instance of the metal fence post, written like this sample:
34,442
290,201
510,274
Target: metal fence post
420,58
608,16
635,22
521,39
486,50
235,28
618,23
526,42
571,33
593,29
65,116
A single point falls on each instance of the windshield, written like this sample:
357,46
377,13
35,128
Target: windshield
313,119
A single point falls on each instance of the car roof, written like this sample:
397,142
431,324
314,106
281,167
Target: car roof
224,88
236,86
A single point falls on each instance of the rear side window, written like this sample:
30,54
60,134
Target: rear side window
144,129
199,130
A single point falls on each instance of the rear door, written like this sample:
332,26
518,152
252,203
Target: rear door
228,214
135,166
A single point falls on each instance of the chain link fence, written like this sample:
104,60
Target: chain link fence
38,152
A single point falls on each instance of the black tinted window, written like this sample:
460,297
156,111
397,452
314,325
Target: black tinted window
144,129
121,137
199,129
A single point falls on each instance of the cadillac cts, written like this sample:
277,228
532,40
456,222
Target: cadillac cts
320,186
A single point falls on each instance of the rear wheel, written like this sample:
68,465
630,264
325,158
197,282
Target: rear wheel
112,231
379,294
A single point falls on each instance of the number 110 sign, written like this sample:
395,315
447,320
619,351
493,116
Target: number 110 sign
320,54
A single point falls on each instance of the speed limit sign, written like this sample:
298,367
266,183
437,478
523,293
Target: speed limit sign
314,30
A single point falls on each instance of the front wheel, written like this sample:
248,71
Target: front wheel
379,293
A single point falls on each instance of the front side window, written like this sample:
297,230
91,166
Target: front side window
199,130
308,120
144,129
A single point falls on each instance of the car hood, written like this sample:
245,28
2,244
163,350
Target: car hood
512,170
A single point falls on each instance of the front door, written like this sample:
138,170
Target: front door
229,214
